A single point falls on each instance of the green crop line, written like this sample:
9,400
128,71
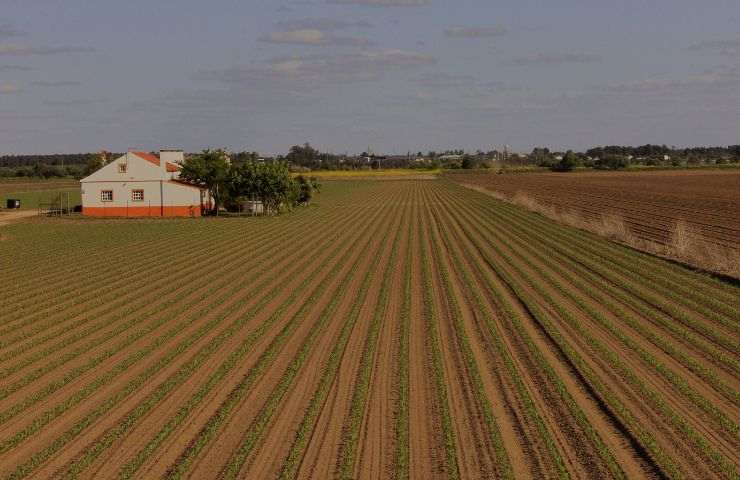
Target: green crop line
261,261
646,264
646,439
401,425
248,347
636,269
268,357
433,341
659,341
502,459
165,266
580,257
205,352
328,374
94,451
513,374
147,255
351,431
716,458
205,280
577,258
673,277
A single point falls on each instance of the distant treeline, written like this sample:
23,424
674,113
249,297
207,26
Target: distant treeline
305,157
615,157
48,166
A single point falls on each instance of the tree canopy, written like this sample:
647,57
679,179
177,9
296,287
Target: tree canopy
209,169
232,183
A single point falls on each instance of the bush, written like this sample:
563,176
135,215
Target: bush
567,164
611,162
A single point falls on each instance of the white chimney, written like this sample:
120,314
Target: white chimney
171,156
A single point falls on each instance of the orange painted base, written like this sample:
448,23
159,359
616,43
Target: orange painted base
136,212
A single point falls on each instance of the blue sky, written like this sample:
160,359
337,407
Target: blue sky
392,75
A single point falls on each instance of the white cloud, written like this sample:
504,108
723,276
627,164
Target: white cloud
475,32
312,37
723,76
324,24
554,59
730,48
305,37
313,71
383,3
56,83
23,50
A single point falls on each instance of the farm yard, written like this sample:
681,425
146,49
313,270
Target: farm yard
394,329
32,192
652,205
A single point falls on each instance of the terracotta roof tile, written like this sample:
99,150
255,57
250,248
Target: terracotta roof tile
171,167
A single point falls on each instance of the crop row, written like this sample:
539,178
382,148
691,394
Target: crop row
197,261
262,265
232,360
503,465
668,374
581,261
171,354
98,287
585,256
641,269
91,265
435,355
328,375
358,406
401,425
610,357
216,281
236,395
513,374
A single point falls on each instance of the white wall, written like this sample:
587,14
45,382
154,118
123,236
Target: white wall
174,194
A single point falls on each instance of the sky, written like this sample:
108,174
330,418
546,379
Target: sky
347,75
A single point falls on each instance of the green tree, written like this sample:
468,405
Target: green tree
211,170
567,163
269,182
94,163
469,162
304,189
611,161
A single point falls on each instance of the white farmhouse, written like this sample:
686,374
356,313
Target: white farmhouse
140,184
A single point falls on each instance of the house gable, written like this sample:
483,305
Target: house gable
133,166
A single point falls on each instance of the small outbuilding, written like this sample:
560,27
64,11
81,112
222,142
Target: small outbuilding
141,184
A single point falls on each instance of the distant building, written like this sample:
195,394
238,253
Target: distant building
140,184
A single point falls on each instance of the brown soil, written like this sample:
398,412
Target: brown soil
515,297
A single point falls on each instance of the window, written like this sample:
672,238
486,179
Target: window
106,195
122,168
137,195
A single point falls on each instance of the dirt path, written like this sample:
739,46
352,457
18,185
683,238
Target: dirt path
8,217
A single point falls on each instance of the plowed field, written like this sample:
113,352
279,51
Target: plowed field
650,202
409,329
